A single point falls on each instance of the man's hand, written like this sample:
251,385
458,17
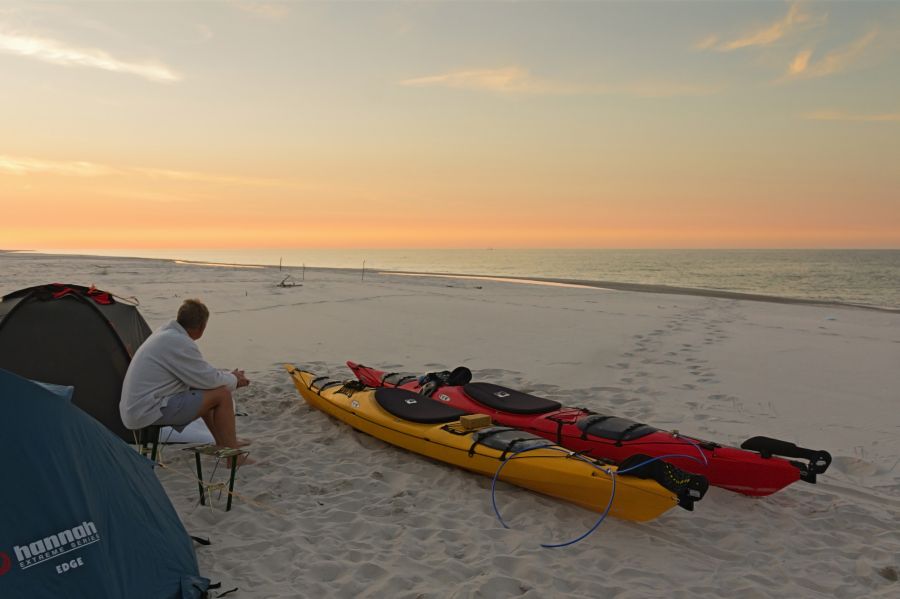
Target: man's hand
242,381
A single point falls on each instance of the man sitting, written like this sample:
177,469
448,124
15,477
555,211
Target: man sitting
169,383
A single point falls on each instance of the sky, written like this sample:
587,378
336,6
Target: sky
449,124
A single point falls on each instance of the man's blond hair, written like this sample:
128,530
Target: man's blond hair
193,314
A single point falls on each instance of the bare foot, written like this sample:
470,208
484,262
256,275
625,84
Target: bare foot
244,442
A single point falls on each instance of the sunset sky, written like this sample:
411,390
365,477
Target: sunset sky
464,124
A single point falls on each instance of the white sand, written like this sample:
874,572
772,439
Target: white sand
337,514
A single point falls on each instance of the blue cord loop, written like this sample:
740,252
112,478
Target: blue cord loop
609,472
699,450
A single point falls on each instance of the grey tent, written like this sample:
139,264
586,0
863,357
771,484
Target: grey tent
76,336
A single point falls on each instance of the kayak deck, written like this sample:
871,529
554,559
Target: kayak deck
748,471
548,469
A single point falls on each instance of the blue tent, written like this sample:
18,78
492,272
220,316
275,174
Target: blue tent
81,513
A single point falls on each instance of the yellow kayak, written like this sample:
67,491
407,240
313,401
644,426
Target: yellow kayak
433,429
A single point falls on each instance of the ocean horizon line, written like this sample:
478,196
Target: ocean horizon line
617,285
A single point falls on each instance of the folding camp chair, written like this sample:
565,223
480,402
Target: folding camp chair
148,440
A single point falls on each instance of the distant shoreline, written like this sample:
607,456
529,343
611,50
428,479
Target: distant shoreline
549,281
649,288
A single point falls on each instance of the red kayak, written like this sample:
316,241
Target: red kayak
753,469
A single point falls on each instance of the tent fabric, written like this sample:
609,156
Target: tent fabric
66,334
83,514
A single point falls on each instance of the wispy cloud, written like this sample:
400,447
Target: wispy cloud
839,115
59,53
659,89
707,43
20,165
204,177
518,80
797,18
802,67
150,196
506,79
266,10
16,165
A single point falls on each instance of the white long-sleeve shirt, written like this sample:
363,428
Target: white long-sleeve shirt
169,362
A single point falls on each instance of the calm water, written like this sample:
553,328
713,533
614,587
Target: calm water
870,277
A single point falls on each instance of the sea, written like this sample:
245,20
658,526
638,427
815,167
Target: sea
861,277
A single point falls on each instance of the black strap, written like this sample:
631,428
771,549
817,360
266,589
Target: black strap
351,387
229,591
592,420
329,384
429,388
627,430
438,377
316,380
205,593
201,540
386,375
484,435
510,446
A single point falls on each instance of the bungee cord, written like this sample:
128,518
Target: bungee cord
606,470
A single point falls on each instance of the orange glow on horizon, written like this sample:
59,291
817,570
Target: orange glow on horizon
770,127
401,235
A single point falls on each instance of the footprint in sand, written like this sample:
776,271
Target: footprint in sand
855,466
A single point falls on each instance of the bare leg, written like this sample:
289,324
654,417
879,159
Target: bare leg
217,411
210,424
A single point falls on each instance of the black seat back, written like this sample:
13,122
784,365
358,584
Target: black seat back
414,407
509,400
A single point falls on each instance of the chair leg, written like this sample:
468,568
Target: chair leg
200,480
234,461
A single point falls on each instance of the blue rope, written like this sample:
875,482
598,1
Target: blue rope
599,521
612,495
697,445
661,457
611,473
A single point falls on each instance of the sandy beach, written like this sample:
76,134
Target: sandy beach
329,512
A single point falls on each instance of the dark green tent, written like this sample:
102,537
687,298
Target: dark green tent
76,336
83,514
